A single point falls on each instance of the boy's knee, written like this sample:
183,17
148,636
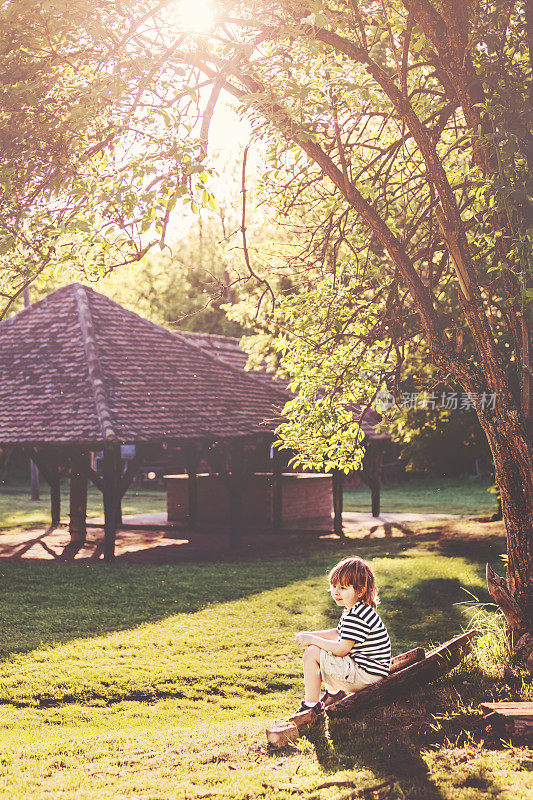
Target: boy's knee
312,653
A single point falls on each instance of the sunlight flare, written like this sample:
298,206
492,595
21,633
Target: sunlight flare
195,15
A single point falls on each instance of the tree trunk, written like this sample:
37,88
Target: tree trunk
512,452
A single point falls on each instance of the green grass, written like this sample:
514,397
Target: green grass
18,512
465,495
125,681
439,496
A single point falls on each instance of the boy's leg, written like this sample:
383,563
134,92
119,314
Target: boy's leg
312,676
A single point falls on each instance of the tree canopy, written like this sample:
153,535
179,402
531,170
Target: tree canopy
91,159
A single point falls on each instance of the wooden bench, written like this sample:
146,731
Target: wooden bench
408,670
511,717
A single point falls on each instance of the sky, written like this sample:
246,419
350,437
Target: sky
228,137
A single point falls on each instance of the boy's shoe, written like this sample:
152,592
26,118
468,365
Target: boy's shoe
318,708
306,717
328,699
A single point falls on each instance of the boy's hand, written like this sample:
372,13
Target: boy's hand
303,638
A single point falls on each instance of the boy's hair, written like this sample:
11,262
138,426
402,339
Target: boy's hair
357,573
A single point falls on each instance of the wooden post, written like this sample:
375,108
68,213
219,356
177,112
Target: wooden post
55,498
34,481
371,475
376,484
376,500
120,492
336,480
277,490
192,484
236,481
79,472
48,464
55,494
111,479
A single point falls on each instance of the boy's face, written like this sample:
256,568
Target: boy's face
345,596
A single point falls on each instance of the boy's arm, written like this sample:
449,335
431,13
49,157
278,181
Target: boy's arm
338,648
329,633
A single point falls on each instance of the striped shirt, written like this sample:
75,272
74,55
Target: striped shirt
364,627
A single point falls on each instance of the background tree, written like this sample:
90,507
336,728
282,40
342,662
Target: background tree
435,435
201,269
91,164
184,287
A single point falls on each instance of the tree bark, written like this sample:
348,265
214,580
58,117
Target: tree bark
512,452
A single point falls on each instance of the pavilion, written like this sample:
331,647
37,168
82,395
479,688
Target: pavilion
80,374
377,444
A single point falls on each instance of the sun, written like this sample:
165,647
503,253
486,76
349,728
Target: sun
195,15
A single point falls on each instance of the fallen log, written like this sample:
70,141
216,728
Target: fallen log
437,663
305,719
281,733
407,671
512,717
404,659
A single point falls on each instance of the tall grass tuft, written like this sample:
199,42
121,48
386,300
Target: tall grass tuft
491,651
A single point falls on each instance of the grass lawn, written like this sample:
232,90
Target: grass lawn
465,495
17,511
439,496
157,682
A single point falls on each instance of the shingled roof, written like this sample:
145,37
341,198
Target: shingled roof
228,349
77,367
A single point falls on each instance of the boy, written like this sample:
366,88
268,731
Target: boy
354,654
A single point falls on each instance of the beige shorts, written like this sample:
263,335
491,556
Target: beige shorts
341,672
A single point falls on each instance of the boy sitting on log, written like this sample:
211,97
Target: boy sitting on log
357,652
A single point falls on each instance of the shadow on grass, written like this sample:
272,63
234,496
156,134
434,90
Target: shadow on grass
378,741
389,528
390,740
430,611
51,604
